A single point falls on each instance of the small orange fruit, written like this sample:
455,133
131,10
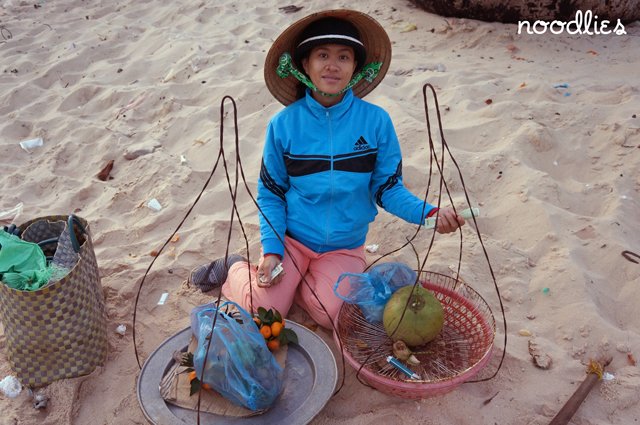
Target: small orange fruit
276,328
193,375
265,330
257,320
273,345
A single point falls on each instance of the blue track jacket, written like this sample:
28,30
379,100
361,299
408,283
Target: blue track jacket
323,172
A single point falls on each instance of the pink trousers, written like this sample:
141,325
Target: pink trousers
320,272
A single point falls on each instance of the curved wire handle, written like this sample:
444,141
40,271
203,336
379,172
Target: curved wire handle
431,223
233,191
440,166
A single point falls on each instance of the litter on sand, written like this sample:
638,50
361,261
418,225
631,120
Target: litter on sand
11,214
373,248
154,205
10,386
30,144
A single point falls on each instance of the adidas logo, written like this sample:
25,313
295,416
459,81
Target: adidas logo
361,144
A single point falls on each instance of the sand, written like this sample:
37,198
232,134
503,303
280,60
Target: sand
554,170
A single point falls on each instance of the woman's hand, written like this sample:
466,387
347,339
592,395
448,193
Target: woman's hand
448,221
266,266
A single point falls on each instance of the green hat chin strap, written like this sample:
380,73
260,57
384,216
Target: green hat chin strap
285,68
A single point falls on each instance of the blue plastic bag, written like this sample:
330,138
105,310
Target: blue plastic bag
239,365
371,291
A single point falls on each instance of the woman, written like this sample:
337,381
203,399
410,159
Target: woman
329,160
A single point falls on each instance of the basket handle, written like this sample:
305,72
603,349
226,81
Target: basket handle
74,240
12,229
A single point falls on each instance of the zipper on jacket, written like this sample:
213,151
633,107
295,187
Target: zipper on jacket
328,220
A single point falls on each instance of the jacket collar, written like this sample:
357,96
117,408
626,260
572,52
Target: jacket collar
336,110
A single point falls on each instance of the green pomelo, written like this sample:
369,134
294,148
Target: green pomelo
422,321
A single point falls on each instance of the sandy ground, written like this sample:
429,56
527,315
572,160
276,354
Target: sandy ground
554,170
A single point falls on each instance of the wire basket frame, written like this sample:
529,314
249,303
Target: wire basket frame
460,351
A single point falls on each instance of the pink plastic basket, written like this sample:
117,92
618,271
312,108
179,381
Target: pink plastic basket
461,350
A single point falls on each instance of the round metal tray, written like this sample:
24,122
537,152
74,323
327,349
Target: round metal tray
311,375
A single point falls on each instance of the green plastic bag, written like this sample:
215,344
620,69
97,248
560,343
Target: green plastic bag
23,265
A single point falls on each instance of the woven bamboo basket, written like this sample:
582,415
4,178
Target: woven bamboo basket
457,355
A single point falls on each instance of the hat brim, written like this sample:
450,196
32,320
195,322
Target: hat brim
373,36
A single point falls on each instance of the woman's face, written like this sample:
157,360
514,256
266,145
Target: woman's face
330,67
